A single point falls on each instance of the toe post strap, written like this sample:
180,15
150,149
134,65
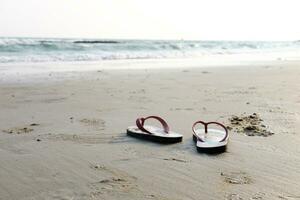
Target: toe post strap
205,124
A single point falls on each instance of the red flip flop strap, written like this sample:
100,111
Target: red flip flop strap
194,131
140,123
206,129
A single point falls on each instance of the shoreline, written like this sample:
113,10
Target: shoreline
40,72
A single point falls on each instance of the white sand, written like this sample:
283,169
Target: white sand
84,153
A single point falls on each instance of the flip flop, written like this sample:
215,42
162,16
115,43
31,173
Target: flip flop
210,140
152,133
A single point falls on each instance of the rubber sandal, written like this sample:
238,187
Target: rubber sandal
210,140
152,133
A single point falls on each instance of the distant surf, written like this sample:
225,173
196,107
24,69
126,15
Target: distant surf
20,50
96,42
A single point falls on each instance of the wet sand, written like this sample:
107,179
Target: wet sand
65,139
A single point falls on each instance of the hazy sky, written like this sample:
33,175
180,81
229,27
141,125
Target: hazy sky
152,19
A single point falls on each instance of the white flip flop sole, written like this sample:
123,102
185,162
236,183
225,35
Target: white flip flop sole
211,139
157,134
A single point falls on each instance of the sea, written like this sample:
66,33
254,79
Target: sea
41,50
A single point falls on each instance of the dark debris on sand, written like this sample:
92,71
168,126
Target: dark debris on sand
251,125
18,130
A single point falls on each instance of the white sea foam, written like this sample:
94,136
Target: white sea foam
36,50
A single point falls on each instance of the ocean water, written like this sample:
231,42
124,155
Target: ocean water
37,50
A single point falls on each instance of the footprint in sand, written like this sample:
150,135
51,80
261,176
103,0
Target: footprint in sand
259,195
118,185
233,197
96,123
118,182
236,178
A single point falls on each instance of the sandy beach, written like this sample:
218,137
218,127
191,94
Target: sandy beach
65,138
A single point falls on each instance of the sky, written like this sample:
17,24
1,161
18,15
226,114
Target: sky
152,19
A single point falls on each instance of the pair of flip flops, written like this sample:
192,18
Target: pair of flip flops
207,139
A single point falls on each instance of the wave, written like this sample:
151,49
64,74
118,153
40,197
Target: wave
96,42
49,50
